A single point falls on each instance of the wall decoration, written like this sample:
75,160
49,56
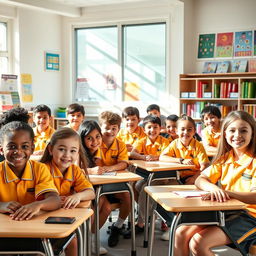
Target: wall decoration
224,45
26,87
254,42
238,65
206,46
52,61
243,44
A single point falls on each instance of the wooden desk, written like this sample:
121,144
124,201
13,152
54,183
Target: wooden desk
36,228
156,170
111,185
184,206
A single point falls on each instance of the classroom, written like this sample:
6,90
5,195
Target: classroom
116,63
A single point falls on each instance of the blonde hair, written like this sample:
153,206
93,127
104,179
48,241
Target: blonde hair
223,146
65,133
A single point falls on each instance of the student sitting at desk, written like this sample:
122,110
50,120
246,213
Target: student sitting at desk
131,132
60,155
26,185
114,157
75,116
235,168
171,127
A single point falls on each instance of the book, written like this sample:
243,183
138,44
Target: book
252,65
209,67
190,193
238,65
222,67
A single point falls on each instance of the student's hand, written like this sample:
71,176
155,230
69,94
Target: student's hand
97,170
129,147
152,158
27,211
71,201
188,162
9,207
218,195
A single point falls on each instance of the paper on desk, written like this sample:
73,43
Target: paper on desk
104,174
190,193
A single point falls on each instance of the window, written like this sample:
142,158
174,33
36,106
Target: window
132,68
3,48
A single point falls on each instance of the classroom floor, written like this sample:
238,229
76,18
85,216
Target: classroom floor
124,246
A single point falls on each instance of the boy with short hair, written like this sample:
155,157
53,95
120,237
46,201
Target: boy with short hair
211,117
170,124
114,157
43,131
154,109
132,132
75,116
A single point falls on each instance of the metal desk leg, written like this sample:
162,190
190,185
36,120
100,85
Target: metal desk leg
47,247
80,241
145,244
88,237
97,221
174,225
133,253
152,230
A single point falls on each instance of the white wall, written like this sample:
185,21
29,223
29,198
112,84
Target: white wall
212,17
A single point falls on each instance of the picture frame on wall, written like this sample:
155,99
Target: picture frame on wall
243,44
51,61
224,45
206,46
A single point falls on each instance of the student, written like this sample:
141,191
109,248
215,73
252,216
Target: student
91,137
154,109
170,125
131,132
148,148
75,115
59,156
234,167
26,185
186,150
43,131
211,117
114,157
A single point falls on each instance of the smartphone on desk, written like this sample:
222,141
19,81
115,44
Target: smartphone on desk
60,220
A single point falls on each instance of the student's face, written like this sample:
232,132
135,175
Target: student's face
152,130
238,135
93,140
212,121
42,120
109,131
75,120
65,152
17,148
154,112
131,123
185,131
171,127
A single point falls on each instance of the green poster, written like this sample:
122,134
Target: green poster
206,46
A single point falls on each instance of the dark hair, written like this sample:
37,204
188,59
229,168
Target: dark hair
65,133
14,114
186,118
130,111
72,108
173,118
85,129
13,127
213,110
151,119
153,107
223,146
42,108
110,118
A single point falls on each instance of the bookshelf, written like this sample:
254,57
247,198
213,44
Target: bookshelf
228,91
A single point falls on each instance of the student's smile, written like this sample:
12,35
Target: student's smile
186,131
93,140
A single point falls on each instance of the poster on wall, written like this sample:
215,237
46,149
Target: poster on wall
224,45
82,89
206,46
243,44
52,61
254,43
26,87
9,83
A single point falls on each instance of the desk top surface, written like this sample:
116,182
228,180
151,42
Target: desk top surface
121,176
36,228
154,166
174,203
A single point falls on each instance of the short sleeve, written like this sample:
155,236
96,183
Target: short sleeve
213,173
81,182
169,150
123,153
201,154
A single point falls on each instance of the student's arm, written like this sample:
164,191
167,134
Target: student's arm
50,202
73,200
116,167
98,170
136,155
9,207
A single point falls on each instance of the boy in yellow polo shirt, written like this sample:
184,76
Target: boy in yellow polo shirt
26,186
114,157
43,131
131,132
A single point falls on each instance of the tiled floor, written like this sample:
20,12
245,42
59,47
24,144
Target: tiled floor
160,247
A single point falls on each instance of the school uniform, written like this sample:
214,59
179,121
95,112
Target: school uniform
73,180
195,151
210,137
41,139
131,138
237,176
